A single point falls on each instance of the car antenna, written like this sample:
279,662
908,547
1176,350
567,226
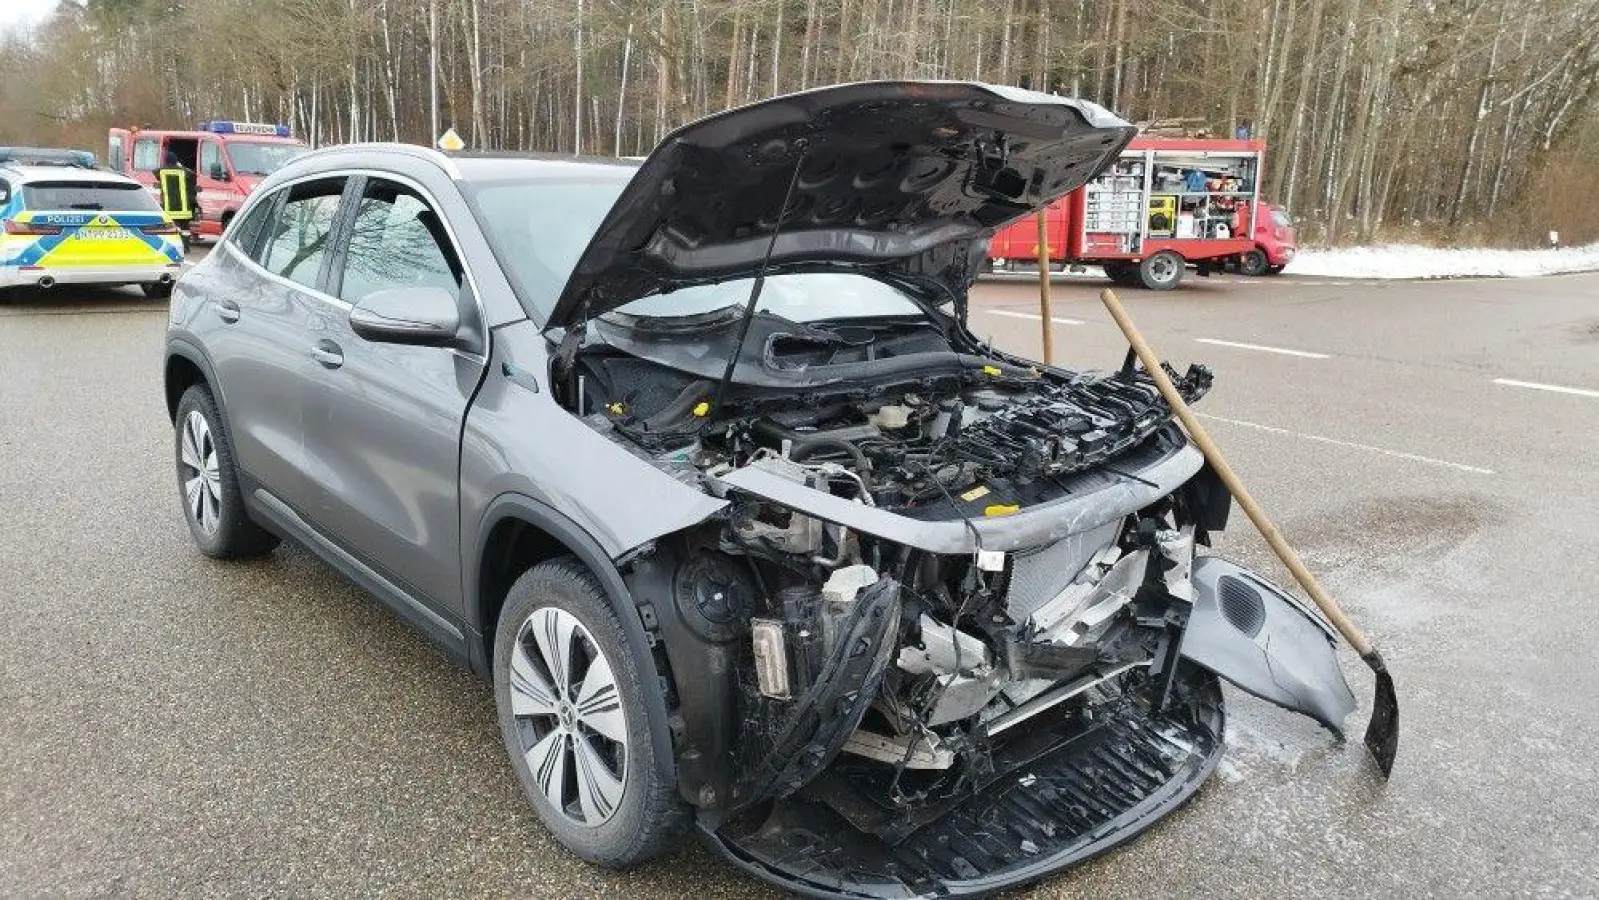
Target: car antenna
760,280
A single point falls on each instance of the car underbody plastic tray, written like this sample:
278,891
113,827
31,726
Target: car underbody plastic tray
1072,787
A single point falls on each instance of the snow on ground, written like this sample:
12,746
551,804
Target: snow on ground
1405,261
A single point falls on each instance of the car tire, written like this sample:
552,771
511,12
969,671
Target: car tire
157,290
1253,263
1162,271
208,482
615,802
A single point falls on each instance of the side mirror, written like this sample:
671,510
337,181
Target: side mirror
218,173
421,316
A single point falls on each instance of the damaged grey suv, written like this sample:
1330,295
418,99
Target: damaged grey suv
699,461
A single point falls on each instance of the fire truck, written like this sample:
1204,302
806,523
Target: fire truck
1165,204
227,160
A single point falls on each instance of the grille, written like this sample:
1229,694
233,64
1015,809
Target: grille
1241,605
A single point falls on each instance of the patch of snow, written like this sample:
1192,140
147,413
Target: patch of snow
1408,261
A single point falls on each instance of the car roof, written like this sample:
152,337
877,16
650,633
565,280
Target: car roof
27,174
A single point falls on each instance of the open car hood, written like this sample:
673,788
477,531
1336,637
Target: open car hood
903,177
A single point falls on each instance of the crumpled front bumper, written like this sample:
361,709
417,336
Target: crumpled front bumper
1075,786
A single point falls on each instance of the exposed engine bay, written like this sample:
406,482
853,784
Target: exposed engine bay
846,677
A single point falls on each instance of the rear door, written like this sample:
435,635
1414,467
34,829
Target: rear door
261,297
383,421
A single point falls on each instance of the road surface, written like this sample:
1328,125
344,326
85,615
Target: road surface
174,726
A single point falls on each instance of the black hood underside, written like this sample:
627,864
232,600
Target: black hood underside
903,177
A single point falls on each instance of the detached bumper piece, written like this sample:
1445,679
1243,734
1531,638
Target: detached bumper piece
1072,785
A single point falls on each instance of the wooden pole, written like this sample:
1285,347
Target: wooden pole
1201,437
1047,321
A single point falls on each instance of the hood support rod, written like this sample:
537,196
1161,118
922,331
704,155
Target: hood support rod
1382,734
801,145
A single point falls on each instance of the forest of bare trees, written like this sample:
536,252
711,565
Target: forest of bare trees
1450,119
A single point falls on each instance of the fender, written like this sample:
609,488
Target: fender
180,345
585,548
1266,641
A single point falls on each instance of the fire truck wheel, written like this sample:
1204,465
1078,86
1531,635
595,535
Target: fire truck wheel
1122,274
1162,271
1254,263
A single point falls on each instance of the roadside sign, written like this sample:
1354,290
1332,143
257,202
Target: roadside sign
450,142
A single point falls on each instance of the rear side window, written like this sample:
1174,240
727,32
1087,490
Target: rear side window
64,195
116,160
397,240
247,232
5,192
147,154
299,234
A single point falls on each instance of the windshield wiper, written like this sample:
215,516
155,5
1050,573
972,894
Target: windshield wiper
760,279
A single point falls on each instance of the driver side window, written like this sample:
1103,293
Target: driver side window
211,159
397,240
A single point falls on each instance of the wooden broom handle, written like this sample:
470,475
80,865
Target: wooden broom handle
1212,453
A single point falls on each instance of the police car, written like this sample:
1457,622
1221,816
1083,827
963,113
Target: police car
68,223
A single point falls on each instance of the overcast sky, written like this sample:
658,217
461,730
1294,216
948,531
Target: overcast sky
18,14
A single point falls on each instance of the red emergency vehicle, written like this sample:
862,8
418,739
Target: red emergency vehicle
1165,204
228,159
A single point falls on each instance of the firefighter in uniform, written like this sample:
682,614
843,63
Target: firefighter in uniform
180,195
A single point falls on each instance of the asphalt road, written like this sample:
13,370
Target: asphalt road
174,726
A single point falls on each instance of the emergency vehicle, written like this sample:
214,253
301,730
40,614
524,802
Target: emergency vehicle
227,159
1165,204
68,223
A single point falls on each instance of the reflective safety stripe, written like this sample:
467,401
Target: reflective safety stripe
91,240
175,194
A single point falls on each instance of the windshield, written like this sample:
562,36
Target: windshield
111,195
261,159
538,229
798,297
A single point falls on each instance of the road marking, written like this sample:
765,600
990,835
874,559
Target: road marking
1555,388
1058,320
1263,348
1413,457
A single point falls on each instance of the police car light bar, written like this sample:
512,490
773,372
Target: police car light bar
261,128
47,156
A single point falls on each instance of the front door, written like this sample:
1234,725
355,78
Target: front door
383,426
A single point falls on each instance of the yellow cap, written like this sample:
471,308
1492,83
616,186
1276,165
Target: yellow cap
616,408
1001,509
991,370
702,408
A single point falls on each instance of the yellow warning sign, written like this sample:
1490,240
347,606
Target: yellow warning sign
451,142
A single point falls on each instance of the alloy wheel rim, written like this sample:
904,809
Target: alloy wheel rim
198,470
569,719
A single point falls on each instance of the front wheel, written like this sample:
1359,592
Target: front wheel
575,722
1162,271
157,290
1254,263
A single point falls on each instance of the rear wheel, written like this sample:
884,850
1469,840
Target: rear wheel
1253,263
575,722
157,290
208,483
1162,271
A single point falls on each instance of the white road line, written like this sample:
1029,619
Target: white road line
1556,388
1263,348
1013,314
1413,457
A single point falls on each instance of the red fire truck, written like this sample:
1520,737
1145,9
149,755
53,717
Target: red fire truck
228,159
1165,204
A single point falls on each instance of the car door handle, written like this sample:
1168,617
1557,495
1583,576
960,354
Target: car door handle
228,311
328,354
